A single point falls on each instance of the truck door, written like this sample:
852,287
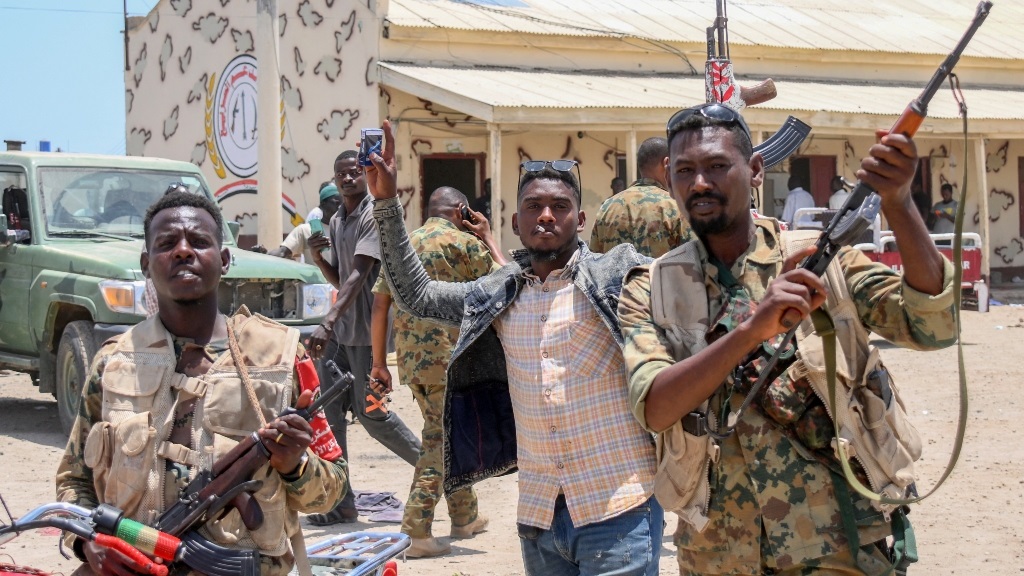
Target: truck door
16,263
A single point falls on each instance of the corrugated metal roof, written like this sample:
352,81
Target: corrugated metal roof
477,91
904,26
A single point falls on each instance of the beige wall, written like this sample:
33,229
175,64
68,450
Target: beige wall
178,55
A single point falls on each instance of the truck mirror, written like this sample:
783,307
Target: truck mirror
235,227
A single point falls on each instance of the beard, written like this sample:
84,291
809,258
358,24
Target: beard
543,255
715,225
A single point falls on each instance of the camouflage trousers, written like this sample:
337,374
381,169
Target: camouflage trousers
871,560
428,477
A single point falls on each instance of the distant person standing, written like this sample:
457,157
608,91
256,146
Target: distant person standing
352,266
945,211
798,198
644,215
296,244
318,212
618,185
839,193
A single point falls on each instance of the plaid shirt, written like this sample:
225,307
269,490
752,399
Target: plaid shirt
574,429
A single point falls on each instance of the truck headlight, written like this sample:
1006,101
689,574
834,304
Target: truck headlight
124,296
316,300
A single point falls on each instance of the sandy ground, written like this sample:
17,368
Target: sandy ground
974,525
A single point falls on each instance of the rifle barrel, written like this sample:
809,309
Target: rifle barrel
947,65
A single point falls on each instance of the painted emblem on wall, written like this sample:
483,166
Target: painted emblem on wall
234,116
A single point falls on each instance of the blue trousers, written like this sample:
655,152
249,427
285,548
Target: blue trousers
626,545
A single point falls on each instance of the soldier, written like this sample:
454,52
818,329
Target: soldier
776,505
536,378
449,253
172,375
644,215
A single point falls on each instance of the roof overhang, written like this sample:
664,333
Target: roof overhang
537,99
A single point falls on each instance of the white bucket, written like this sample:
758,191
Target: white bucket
981,289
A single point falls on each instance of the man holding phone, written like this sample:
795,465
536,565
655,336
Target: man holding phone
297,242
352,266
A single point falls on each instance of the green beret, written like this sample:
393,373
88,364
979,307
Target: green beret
328,191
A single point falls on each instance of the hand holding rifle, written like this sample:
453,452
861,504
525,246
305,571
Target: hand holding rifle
288,437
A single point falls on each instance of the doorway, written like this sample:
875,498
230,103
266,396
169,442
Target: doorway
464,172
817,172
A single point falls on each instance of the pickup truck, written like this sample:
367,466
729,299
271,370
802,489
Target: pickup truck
71,234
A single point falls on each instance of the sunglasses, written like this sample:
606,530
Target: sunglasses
528,166
722,115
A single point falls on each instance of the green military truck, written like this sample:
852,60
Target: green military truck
70,240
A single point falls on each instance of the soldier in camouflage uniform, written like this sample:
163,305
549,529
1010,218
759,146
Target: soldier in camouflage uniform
451,254
776,505
185,260
644,215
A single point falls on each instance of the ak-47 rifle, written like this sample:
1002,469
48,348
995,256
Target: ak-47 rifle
720,86
857,214
208,497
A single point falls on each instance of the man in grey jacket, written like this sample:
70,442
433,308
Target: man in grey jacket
537,378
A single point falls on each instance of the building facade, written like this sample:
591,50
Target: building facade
474,87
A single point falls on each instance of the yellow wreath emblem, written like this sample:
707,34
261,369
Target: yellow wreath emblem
211,145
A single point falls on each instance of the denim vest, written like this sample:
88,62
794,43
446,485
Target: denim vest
479,426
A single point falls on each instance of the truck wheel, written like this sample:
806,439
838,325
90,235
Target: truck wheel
74,357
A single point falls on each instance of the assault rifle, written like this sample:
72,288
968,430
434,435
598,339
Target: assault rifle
720,86
229,483
857,213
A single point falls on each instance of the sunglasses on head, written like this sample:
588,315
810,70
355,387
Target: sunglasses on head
720,114
528,166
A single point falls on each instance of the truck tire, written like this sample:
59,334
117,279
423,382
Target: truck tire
74,358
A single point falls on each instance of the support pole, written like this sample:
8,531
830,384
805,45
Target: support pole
984,224
631,145
268,123
496,188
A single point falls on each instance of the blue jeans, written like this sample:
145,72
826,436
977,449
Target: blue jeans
626,545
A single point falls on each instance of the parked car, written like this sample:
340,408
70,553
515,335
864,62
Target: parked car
70,241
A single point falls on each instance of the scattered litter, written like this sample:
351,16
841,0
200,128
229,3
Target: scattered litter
1017,280
992,302
999,327
925,412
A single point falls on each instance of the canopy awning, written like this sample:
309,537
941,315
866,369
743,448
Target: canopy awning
539,99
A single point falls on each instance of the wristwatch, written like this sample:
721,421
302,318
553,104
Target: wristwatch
298,471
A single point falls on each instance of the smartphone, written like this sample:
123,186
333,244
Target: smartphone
316,226
467,215
371,140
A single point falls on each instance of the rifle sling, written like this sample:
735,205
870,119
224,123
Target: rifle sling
961,426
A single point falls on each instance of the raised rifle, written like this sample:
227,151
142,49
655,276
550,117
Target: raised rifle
720,86
857,213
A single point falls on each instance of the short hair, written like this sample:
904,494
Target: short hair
837,183
445,197
181,198
346,155
653,150
549,173
795,181
699,122
946,186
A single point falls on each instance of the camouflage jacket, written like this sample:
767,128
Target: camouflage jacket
317,489
447,254
765,483
644,215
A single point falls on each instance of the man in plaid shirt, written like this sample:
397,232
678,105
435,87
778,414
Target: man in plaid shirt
537,379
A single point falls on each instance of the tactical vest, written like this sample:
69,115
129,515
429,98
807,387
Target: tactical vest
875,425
129,449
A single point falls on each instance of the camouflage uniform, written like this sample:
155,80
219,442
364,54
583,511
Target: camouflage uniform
423,350
644,215
320,481
774,507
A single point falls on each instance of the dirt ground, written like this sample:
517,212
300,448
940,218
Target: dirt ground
974,525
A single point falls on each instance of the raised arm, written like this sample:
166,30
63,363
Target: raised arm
411,287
